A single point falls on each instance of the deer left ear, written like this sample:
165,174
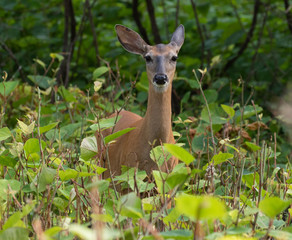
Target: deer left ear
178,36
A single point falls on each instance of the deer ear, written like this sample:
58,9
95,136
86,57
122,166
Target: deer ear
131,40
178,36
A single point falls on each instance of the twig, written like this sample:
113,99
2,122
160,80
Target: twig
200,32
155,30
136,15
288,14
248,37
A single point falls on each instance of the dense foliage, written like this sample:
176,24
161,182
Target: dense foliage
63,71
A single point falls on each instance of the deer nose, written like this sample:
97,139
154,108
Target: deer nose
160,79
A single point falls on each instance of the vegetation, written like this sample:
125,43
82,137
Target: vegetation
63,71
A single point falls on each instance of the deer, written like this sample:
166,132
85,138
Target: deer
133,148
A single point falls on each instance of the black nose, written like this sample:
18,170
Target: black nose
160,79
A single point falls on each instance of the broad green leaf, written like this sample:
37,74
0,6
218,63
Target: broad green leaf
199,143
272,206
211,96
105,123
88,148
44,178
131,206
53,231
14,233
250,180
4,133
159,155
11,185
219,158
13,221
42,81
32,148
26,129
178,177
179,234
68,174
99,71
172,216
7,87
101,185
229,110
7,160
83,232
60,203
179,153
200,207
67,95
217,114
252,146
160,180
248,112
64,132
48,127
117,134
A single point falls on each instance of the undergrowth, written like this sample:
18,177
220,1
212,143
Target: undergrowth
233,180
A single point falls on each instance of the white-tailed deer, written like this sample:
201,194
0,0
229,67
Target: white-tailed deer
133,148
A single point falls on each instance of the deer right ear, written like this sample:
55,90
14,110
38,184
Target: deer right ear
178,36
131,40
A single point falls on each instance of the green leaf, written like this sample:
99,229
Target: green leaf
26,129
105,123
68,96
58,56
4,133
178,177
217,114
131,206
272,206
219,158
14,233
99,71
179,234
211,96
199,143
160,180
53,231
68,174
44,178
48,127
229,110
14,187
200,207
13,220
42,81
252,146
88,148
179,153
60,203
117,134
159,155
32,146
7,87
7,160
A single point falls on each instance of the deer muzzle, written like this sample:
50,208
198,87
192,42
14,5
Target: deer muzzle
160,79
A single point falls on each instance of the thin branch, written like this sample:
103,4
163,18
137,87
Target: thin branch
136,15
12,56
155,30
68,47
95,43
200,32
248,37
288,14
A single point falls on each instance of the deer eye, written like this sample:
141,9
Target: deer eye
148,58
174,58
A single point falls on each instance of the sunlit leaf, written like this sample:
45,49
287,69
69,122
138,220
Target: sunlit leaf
4,133
117,134
7,87
219,158
272,206
99,71
229,110
179,153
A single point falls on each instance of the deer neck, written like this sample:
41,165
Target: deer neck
157,121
